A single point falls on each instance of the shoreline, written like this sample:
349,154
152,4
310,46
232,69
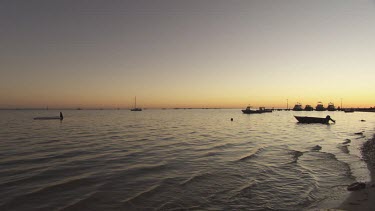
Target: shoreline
364,199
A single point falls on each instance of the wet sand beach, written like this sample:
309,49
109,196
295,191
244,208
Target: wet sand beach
364,199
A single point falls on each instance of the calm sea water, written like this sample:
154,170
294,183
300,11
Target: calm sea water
178,159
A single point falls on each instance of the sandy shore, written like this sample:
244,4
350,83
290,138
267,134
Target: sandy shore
364,199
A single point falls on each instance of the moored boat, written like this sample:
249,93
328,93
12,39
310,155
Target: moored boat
309,108
331,107
349,110
261,110
320,107
306,119
297,107
135,106
61,117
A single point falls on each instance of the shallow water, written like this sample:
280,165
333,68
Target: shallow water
178,159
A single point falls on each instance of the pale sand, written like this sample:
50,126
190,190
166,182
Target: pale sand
364,199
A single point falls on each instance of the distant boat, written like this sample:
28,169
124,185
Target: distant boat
61,117
306,119
135,106
320,107
297,107
261,110
308,108
349,110
331,107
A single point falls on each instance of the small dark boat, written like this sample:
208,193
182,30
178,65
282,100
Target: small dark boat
309,108
135,106
320,107
351,110
331,107
306,119
261,110
61,117
297,107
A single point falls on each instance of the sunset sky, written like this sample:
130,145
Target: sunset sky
191,53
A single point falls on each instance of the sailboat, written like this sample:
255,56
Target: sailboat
135,106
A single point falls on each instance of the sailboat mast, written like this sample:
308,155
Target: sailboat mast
135,105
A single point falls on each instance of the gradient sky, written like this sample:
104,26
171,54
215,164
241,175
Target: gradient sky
191,53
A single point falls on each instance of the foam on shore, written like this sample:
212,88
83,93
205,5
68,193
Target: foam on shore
364,199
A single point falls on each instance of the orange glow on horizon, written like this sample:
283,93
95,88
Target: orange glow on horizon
199,102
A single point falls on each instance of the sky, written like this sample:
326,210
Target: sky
191,53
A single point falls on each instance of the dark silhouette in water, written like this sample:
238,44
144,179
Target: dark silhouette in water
61,117
308,108
261,110
328,117
316,148
305,119
297,107
320,107
135,106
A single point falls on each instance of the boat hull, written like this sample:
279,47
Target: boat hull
305,119
349,110
47,118
320,109
255,111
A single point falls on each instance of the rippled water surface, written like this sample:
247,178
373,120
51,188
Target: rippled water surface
178,159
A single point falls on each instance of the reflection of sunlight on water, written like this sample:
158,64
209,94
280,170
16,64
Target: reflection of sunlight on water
180,158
